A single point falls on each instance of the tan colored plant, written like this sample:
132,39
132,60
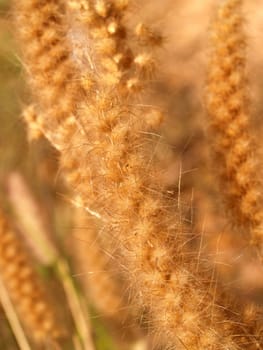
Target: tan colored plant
26,289
104,287
106,153
235,149
35,231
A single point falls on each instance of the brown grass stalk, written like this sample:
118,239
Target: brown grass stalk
36,234
33,222
122,57
114,177
26,289
235,150
49,68
13,318
99,274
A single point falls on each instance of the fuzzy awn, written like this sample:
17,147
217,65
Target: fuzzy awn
115,179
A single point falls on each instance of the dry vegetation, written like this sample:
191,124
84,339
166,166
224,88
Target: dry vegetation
130,175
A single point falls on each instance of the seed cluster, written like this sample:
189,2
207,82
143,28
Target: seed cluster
26,288
235,150
107,157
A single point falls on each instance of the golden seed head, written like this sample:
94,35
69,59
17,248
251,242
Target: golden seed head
123,59
106,46
115,28
148,36
121,4
78,4
145,63
88,82
154,118
134,85
102,8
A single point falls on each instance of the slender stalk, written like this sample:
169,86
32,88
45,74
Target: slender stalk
37,235
13,318
82,323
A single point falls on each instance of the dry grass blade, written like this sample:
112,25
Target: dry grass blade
77,307
13,318
102,283
36,234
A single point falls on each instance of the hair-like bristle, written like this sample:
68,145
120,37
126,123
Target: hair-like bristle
235,150
100,277
117,185
30,116
112,171
47,59
118,60
146,36
26,289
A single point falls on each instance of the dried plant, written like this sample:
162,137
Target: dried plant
49,66
36,232
235,149
102,283
26,289
92,66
